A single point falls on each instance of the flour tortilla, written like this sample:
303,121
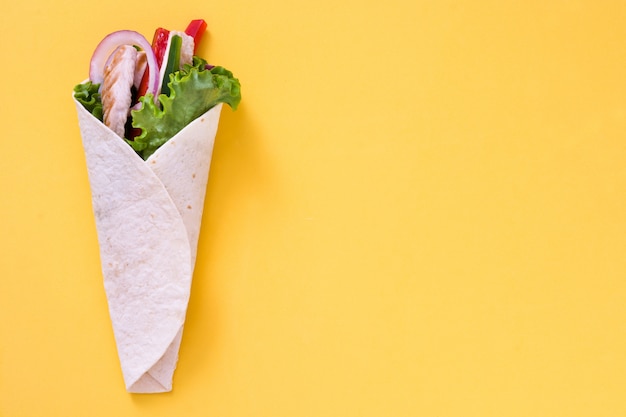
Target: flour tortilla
148,216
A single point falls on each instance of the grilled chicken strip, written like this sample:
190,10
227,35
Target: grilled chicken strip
140,68
119,75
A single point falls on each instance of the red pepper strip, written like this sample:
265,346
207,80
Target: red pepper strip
196,29
159,45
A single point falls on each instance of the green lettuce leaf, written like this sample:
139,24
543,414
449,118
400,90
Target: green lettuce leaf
193,91
87,94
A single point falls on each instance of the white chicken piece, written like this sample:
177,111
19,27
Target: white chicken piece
119,76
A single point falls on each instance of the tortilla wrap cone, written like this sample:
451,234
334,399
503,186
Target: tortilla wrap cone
148,216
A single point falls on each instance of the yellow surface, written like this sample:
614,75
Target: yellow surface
418,210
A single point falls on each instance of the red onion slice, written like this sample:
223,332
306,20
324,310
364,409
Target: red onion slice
110,43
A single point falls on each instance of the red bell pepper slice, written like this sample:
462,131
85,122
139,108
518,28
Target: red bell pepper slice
159,45
196,29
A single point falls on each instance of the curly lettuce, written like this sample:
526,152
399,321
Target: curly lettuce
193,91
88,95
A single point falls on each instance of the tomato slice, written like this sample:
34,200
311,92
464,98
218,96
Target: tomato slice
196,29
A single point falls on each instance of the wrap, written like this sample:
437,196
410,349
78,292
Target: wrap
148,215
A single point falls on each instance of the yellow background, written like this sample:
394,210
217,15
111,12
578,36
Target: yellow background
419,209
